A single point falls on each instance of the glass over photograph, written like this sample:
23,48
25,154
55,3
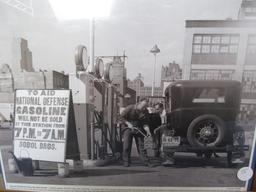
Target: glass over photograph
134,95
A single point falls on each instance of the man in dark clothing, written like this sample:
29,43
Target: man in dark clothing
155,121
135,116
161,131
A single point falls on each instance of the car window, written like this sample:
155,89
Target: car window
209,95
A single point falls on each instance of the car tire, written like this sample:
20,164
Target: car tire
212,124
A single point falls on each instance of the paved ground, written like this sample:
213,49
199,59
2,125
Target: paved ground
188,171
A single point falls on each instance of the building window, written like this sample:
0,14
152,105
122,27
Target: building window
197,38
215,48
226,75
233,48
234,39
249,84
225,39
251,50
197,75
211,74
215,39
206,49
206,39
250,9
224,49
196,48
212,44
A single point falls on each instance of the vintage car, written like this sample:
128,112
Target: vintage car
202,116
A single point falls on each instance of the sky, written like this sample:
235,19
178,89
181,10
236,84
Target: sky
134,26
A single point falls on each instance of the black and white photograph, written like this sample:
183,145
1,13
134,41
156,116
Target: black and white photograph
127,95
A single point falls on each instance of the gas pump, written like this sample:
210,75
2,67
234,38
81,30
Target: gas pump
95,105
108,115
82,85
113,112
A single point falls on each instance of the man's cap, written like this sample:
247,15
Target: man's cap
144,99
161,105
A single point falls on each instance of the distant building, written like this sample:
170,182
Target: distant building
119,79
23,76
144,91
247,10
119,73
136,84
41,80
27,80
170,73
22,56
6,83
225,49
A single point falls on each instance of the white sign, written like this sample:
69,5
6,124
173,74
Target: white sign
40,128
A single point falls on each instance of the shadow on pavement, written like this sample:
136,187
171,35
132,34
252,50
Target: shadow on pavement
89,172
185,161
45,172
105,172
215,162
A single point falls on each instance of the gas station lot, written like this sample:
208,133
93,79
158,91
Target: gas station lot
189,170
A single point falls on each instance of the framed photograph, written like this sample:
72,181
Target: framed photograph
109,95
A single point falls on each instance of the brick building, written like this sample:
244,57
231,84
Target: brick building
170,73
119,79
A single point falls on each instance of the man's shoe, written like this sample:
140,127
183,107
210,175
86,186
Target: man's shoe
126,164
157,154
168,163
150,165
237,161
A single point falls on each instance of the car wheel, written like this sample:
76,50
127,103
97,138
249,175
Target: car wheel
206,131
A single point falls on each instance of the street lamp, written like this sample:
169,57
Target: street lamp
83,9
154,50
140,79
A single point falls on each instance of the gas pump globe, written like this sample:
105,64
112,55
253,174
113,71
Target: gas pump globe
99,68
81,58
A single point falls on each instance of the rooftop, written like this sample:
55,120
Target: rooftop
221,23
